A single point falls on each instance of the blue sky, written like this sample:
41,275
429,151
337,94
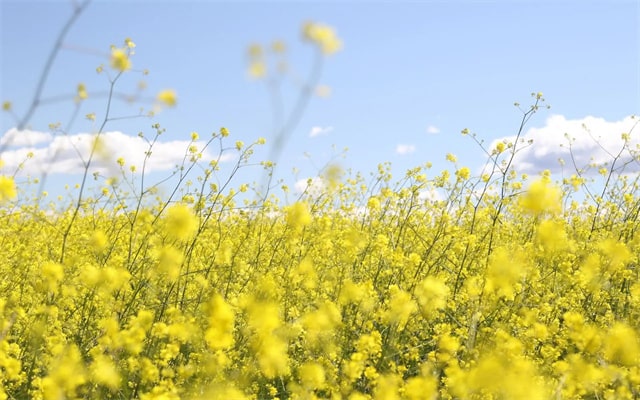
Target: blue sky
410,77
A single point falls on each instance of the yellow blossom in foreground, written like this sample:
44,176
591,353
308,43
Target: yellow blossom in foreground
622,345
278,47
401,307
222,391
219,335
312,375
52,273
617,253
421,387
120,60
431,295
257,69
322,35
7,188
255,51
504,271
180,223
552,235
319,324
463,173
298,216
270,350
65,376
167,97
542,197
82,92
105,372
387,387
169,262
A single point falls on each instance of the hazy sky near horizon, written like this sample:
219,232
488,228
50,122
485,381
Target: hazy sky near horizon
410,76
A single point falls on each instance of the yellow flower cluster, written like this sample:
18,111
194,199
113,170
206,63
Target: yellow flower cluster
403,298
323,36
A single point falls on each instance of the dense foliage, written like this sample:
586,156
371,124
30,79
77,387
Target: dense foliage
368,289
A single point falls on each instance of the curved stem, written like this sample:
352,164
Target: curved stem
49,64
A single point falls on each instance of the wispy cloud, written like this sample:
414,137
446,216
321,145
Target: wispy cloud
318,131
403,149
14,137
312,186
587,140
433,130
430,194
64,154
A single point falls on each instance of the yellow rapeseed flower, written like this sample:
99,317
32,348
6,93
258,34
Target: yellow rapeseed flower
323,36
105,372
622,345
312,375
219,334
401,307
542,197
180,222
82,92
257,69
278,47
431,295
52,273
298,216
66,374
8,189
504,271
552,235
169,262
463,173
120,60
167,97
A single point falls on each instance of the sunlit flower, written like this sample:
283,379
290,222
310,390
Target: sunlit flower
120,60
542,197
8,189
180,222
322,35
167,97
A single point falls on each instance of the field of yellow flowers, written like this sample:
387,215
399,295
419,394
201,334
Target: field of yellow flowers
504,287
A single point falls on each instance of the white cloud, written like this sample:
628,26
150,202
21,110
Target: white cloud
64,154
593,140
430,194
405,149
14,137
432,130
318,130
312,186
